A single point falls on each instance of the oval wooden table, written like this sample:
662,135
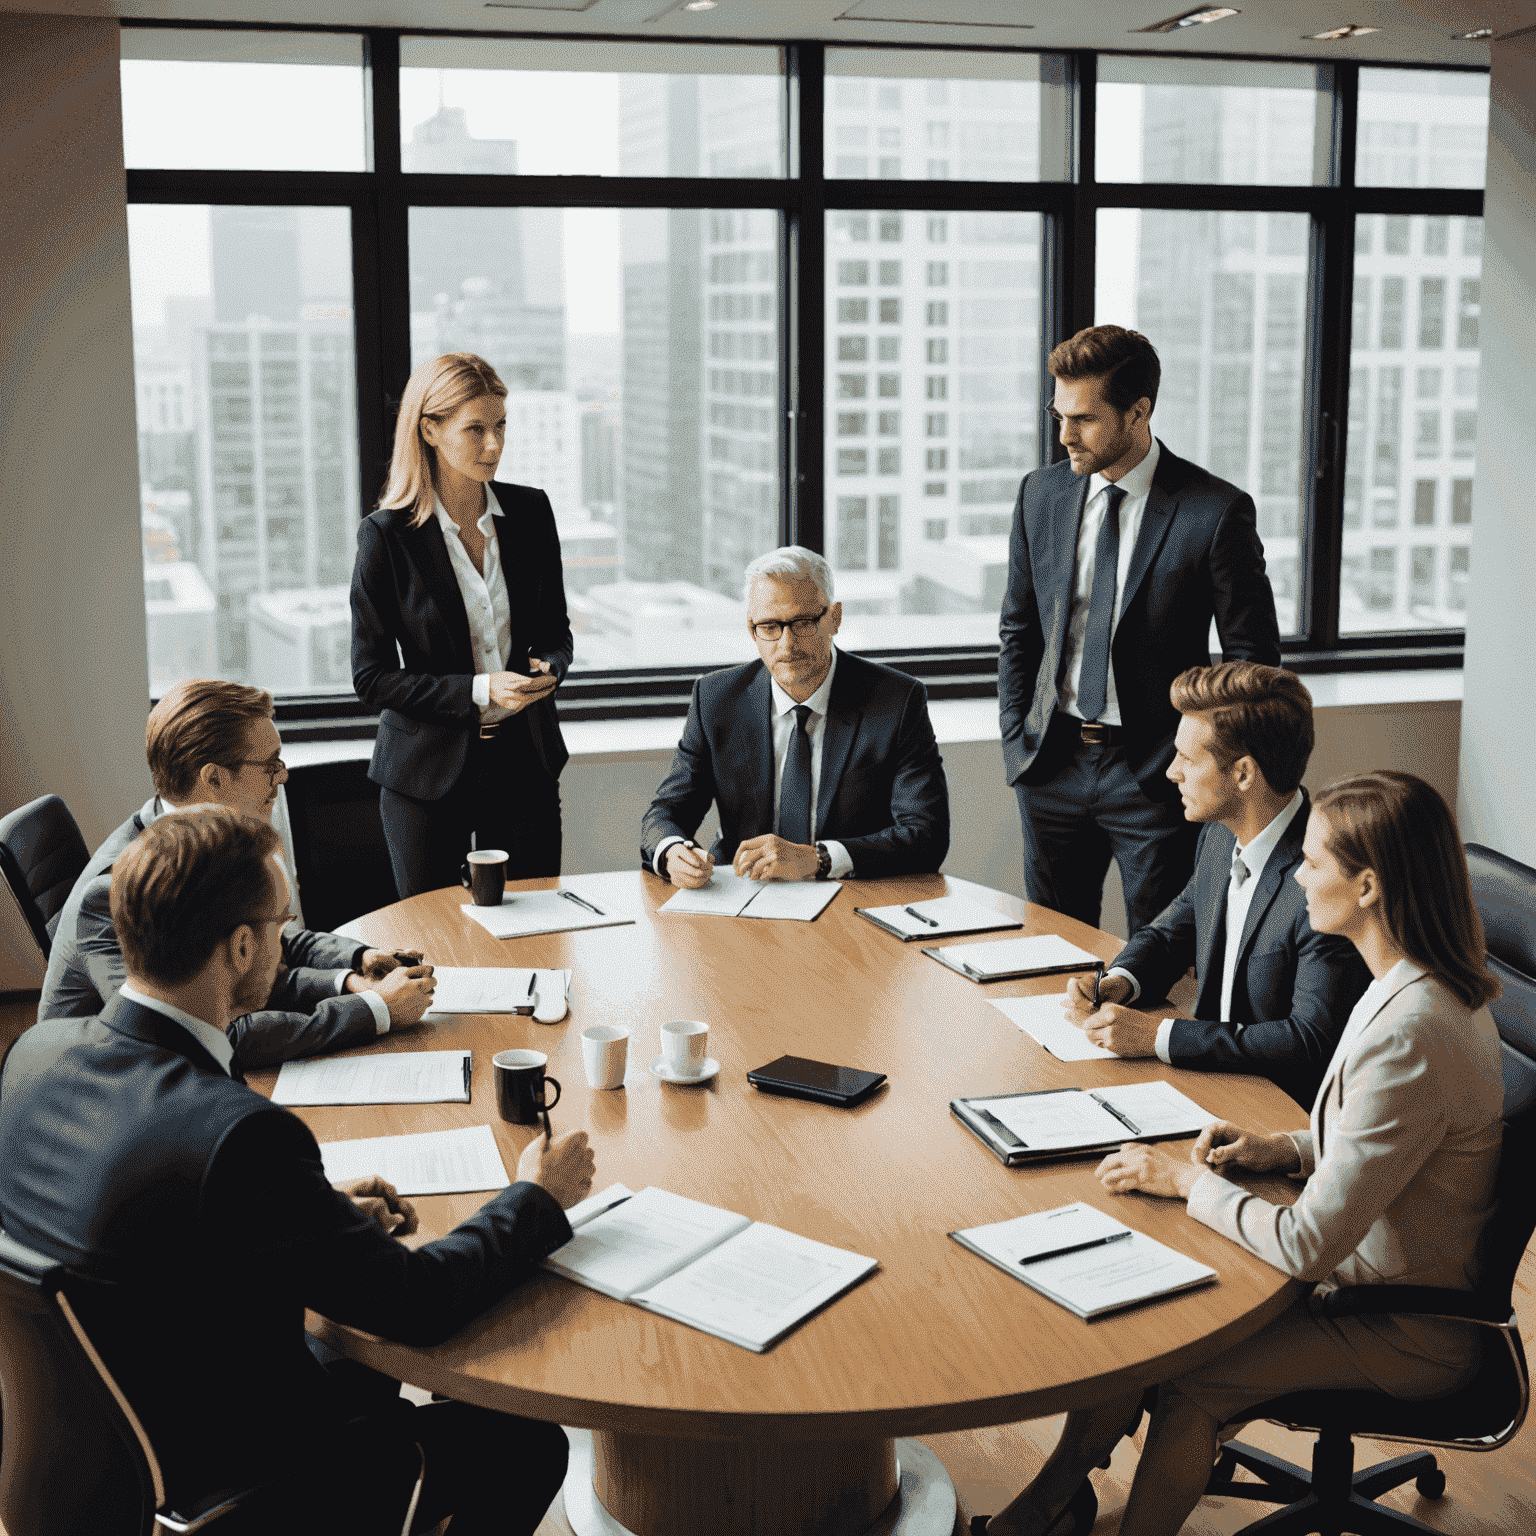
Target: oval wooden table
693,1434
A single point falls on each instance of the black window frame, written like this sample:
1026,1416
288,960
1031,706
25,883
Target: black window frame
378,200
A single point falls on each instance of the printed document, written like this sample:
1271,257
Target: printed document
432,1163
998,959
492,988
523,913
390,1077
939,917
1041,1018
731,895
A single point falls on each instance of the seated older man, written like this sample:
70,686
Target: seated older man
823,765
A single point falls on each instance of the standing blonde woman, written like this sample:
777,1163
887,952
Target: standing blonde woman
460,638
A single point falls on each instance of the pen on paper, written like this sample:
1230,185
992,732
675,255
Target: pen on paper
1098,981
613,1207
548,1133
572,896
1095,1242
912,912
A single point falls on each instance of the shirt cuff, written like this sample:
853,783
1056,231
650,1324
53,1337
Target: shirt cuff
842,865
480,690
659,861
380,1010
1164,1038
1120,970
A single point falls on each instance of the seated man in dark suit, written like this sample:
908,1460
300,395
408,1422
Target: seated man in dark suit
214,743
1274,996
822,764
198,1219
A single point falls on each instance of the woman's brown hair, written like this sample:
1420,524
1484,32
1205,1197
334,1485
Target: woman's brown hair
433,392
1400,827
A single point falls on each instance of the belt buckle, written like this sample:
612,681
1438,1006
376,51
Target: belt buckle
488,732
1095,733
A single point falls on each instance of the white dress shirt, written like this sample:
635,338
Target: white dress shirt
486,603
782,723
1239,899
1137,485
212,1040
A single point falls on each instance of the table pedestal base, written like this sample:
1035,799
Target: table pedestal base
650,1485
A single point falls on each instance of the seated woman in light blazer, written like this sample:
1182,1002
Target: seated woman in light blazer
460,638
1399,1166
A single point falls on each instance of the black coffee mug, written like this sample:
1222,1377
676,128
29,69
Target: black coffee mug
485,873
520,1086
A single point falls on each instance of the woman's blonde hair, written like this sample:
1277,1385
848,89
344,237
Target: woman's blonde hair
434,391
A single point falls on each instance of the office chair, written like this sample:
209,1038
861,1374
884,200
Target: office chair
41,854
1487,1412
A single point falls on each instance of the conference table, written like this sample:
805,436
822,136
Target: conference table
689,1433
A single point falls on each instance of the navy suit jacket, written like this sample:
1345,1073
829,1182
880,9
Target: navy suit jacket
404,594
1197,557
881,794
305,1013
198,1219
1292,989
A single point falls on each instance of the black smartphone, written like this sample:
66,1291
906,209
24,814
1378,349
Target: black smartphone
801,1078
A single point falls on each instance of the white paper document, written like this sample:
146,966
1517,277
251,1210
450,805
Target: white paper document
1157,1108
1000,958
1084,1260
731,895
1042,1019
431,1163
1047,1122
714,1270
523,913
937,918
390,1077
1020,1127
492,988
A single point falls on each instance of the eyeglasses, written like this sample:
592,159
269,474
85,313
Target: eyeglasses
803,626
271,766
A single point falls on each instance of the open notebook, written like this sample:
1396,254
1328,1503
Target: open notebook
733,895
523,913
741,1280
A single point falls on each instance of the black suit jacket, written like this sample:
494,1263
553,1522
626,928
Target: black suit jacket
881,794
1292,988
200,1221
404,593
1197,557
305,1013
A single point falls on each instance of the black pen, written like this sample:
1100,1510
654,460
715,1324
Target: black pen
919,916
1093,1242
548,1133
572,896
469,1067
616,1204
1098,977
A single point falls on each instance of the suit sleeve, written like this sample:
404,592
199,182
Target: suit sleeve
918,838
1021,640
274,1035
379,678
1241,596
267,1202
1162,951
550,635
96,946
686,794
314,964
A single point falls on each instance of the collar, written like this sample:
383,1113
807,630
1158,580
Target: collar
1256,854
212,1040
1136,483
484,522
782,703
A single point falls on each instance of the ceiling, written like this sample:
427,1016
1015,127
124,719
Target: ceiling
1417,31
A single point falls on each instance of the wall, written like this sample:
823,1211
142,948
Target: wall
73,689
1498,743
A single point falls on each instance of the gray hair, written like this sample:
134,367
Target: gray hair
794,562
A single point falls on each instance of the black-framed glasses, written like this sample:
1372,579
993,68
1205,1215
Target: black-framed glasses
802,625
271,766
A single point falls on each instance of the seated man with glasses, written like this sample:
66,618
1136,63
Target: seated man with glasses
823,765
214,743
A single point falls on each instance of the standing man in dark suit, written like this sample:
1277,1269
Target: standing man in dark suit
823,765
214,743
460,637
198,1223
1274,995
1119,559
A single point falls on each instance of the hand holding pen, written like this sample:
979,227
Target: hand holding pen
565,1167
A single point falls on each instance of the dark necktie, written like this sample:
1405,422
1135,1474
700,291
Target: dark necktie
1093,680
1240,871
795,787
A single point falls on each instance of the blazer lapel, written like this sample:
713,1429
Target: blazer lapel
1156,520
1277,870
1332,1086
757,750
426,543
1064,522
126,1017
843,716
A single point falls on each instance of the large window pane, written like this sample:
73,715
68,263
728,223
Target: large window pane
1412,423
1222,296
933,361
247,405
1204,121
640,351
242,101
1422,128
493,107
896,115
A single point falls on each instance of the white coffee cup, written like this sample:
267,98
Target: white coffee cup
605,1054
683,1043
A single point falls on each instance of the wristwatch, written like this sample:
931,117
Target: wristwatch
823,861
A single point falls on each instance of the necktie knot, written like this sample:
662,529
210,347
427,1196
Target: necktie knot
1240,870
803,713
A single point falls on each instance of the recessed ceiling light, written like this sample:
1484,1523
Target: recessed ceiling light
699,5
1197,18
1477,35
1337,34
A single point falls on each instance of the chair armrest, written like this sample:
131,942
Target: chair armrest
1425,1300
202,1511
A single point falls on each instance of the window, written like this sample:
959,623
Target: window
1422,128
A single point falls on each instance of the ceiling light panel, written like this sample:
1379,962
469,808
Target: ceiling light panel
1338,34
1199,17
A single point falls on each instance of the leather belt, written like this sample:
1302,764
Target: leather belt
1094,733
489,732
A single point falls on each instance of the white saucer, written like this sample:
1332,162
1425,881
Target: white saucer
667,1075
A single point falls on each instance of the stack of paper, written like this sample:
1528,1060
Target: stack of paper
1045,954
1043,1020
938,918
390,1077
523,913
433,1163
733,895
493,989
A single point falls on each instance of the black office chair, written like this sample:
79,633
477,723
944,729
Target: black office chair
42,854
74,1459
1487,1412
